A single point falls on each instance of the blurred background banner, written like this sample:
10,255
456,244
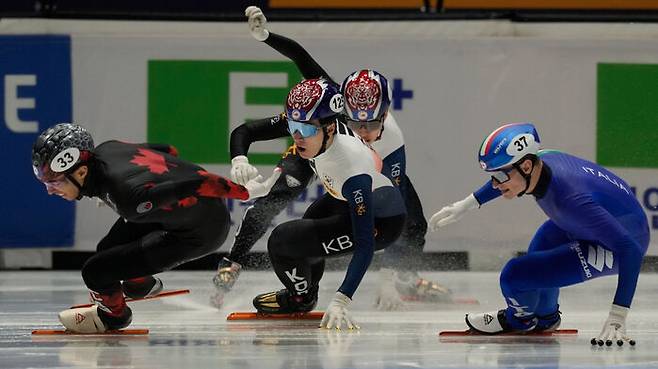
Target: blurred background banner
589,88
35,71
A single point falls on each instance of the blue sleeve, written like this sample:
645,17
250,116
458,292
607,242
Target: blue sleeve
486,193
358,192
601,226
395,168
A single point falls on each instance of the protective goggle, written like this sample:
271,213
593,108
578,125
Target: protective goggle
502,175
304,129
370,126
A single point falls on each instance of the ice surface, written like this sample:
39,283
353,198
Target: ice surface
187,333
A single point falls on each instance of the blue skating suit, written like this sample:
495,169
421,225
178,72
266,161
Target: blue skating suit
596,227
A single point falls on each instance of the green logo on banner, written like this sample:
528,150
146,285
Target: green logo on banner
627,115
194,104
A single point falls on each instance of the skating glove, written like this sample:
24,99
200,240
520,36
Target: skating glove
258,187
336,316
452,213
614,329
241,171
257,22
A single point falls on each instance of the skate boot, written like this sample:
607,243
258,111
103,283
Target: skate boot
414,288
110,313
498,322
227,274
138,288
283,302
548,323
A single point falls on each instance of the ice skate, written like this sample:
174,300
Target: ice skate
82,320
94,320
227,274
139,288
548,323
412,287
498,323
282,302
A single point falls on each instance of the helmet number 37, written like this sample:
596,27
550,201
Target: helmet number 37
521,143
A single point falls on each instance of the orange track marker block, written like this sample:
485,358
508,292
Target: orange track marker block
241,315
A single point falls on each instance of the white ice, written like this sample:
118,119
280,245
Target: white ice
187,333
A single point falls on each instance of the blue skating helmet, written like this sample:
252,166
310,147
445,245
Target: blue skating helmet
314,99
507,145
367,95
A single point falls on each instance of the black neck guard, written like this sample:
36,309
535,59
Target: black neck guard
542,184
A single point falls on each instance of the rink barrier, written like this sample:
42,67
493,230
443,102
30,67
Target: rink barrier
456,261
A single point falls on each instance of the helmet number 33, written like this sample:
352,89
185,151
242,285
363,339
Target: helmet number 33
65,160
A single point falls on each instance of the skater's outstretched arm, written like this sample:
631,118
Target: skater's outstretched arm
452,213
287,47
358,192
243,136
605,229
264,129
206,184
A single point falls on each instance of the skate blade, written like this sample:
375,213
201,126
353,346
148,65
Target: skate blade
472,333
241,315
61,332
128,299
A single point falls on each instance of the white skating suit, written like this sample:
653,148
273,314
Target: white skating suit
348,156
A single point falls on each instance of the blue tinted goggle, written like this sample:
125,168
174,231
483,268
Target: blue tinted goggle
502,175
305,130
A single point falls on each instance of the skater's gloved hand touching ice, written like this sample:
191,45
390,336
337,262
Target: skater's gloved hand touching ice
614,329
241,171
258,187
337,316
452,213
257,22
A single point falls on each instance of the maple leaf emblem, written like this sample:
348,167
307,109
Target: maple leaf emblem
154,161
187,202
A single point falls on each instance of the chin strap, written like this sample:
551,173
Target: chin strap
76,183
325,137
526,176
380,133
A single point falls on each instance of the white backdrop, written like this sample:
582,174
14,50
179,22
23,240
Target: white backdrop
467,78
